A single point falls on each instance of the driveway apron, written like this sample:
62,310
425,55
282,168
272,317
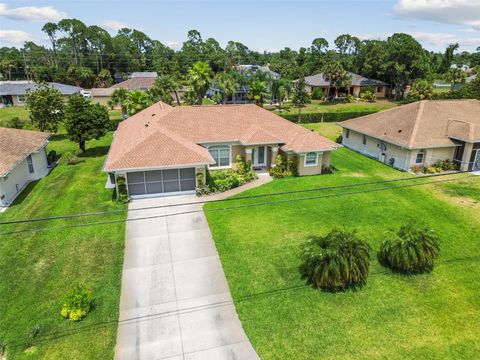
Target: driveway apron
175,301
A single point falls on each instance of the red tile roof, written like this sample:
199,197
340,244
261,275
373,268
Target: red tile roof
162,135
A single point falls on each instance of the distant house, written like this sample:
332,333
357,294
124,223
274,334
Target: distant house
138,81
419,134
101,95
358,82
252,69
23,159
12,93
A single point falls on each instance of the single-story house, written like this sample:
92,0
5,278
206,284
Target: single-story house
419,134
12,93
138,81
23,159
358,82
162,148
101,95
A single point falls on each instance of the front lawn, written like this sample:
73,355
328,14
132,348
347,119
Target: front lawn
429,316
338,106
38,268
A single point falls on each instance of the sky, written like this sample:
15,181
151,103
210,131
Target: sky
262,25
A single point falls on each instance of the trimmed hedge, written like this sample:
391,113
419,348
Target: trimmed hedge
324,117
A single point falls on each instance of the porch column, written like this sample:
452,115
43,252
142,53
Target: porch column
248,154
467,154
274,156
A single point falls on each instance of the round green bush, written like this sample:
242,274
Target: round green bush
77,303
413,249
336,261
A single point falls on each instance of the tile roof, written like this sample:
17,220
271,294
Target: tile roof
16,145
136,83
357,80
423,124
98,92
20,87
144,140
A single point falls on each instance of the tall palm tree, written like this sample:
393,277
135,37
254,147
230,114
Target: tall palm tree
118,98
258,92
337,76
200,77
227,83
163,88
136,101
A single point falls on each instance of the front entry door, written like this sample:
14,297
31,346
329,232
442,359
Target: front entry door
476,161
259,156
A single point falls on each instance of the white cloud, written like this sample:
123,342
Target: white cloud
172,44
115,25
32,13
13,37
461,12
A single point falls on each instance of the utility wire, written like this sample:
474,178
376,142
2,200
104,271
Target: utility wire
70,216
228,207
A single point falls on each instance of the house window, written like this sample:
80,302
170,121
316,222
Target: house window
30,164
221,155
364,140
347,133
311,159
379,89
420,156
21,98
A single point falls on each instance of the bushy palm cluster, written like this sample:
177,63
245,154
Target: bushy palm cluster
413,249
336,261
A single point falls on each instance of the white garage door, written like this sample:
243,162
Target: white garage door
160,181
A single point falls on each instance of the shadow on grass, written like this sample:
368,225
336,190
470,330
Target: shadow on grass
95,152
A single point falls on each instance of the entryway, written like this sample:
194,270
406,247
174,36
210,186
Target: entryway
259,156
476,161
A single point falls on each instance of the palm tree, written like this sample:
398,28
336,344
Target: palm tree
258,92
118,99
163,88
337,76
136,101
200,77
227,84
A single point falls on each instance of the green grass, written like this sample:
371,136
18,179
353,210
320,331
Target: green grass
316,106
429,316
38,268
330,130
464,190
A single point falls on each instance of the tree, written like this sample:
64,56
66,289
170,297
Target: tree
45,107
200,77
162,89
421,90
227,84
448,57
300,95
455,76
51,30
104,79
118,99
257,92
85,121
335,74
136,101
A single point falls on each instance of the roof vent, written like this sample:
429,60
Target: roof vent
399,131
153,114
146,125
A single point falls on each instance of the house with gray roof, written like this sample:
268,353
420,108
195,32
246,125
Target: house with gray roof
12,93
358,82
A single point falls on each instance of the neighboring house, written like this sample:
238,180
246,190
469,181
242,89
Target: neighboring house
23,159
138,81
419,134
358,82
162,148
12,93
101,95
252,69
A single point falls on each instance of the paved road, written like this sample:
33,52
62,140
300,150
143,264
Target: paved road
175,301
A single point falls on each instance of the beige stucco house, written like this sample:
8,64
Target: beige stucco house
23,159
419,134
162,149
358,82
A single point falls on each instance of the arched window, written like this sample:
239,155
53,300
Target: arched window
311,159
221,155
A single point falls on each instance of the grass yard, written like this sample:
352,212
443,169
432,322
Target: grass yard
330,130
429,316
37,268
325,107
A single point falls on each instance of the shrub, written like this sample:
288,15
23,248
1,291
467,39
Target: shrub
368,96
3,347
292,165
446,165
70,158
413,249
122,189
15,123
317,94
350,98
324,117
77,303
51,157
280,170
223,180
336,261
339,139
217,98
417,169
328,169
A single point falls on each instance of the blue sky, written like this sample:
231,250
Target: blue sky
261,25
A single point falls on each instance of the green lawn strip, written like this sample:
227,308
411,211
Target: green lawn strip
466,189
427,316
327,107
330,130
38,268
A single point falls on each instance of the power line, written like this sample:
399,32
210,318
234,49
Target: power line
228,208
61,217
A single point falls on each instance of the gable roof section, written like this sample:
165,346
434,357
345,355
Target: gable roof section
136,83
423,124
184,129
357,80
20,87
16,145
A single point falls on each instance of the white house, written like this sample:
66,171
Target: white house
23,159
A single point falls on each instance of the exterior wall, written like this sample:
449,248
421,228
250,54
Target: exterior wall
16,100
356,91
382,93
326,158
102,100
309,170
237,150
431,156
19,177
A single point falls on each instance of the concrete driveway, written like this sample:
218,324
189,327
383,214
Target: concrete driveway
175,301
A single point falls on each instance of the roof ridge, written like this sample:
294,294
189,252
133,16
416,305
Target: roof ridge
421,107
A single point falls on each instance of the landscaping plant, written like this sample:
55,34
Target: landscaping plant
413,249
337,261
77,303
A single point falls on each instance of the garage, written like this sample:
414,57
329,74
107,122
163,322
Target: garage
160,181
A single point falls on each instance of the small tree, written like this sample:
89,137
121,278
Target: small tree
337,76
45,106
118,99
85,121
300,95
258,92
136,101
420,90
455,76
200,77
